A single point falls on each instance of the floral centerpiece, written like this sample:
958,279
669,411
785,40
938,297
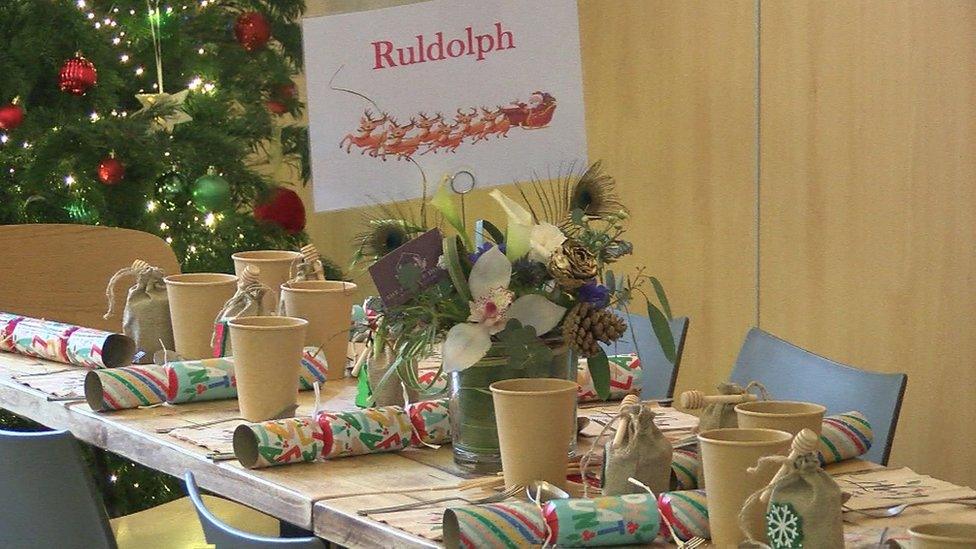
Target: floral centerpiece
528,301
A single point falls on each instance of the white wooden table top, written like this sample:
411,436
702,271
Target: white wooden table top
322,496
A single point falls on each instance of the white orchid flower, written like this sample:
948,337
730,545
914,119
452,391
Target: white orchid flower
545,240
491,309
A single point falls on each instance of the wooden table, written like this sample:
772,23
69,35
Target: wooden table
322,497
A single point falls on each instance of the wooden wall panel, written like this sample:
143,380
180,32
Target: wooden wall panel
868,233
669,89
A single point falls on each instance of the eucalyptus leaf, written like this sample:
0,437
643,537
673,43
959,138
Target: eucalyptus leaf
662,329
609,281
599,367
662,297
577,216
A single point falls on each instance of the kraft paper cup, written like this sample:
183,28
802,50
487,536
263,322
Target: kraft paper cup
785,415
535,418
267,360
194,301
275,268
726,454
327,305
942,535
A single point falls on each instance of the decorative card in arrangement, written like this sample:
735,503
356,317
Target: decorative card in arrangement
490,86
410,268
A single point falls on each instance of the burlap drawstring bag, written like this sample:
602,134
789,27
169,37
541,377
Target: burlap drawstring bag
145,317
804,510
643,453
247,301
721,415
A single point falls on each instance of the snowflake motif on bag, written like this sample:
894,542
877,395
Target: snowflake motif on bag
784,527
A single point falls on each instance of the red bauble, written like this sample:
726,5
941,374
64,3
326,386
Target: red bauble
276,107
283,208
77,75
110,171
286,91
252,30
11,116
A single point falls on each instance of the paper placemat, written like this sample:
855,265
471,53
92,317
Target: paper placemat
887,487
62,384
218,438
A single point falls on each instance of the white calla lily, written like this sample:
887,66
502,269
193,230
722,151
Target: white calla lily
519,231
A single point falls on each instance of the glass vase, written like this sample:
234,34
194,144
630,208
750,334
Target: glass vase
473,430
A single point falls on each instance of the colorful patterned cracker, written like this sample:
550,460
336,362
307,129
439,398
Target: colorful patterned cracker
123,388
7,324
686,467
511,524
201,380
610,520
66,343
278,442
625,378
427,377
367,431
314,367
687,511
844,436
431,422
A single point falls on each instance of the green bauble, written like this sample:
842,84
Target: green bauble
211,193
80,211
170,185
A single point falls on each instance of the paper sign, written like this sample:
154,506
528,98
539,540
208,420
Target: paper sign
400,274
489,86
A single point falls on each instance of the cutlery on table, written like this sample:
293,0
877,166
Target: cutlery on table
494,498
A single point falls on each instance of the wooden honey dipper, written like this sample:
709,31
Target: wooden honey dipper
695,399
249,276
618,438
139,265
805,442
311,256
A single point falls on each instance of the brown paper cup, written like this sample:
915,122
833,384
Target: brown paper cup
275,268
535,418
194,301
267,360
327,305
942,535
784,415
726,454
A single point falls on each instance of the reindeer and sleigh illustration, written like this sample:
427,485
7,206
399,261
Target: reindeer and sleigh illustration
381,136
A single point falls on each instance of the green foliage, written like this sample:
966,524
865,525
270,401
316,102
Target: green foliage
523,347
230,129
599,366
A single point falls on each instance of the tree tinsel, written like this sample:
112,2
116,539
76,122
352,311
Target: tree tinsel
49,161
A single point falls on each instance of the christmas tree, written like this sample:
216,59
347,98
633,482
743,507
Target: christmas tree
167,117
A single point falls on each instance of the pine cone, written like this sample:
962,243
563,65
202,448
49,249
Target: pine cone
586,326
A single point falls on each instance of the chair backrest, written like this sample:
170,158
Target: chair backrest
47,498
792,373
224,536
659,375
60,271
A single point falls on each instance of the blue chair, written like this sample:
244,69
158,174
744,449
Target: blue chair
223,535
48,499
792,373
659,375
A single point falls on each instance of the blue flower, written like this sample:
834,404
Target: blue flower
595,294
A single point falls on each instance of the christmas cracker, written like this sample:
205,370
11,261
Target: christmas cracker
630,519
340,434
510,524
625,378
67,343
686,511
